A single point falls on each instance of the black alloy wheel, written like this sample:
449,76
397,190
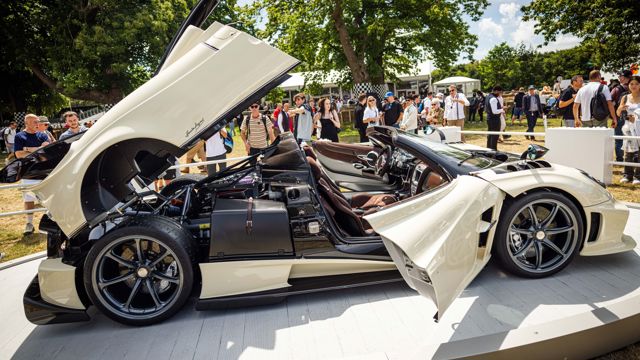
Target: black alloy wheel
538,234
142,272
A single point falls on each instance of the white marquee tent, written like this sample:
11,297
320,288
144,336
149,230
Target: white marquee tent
465,84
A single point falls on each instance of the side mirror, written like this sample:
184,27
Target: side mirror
428,130
534,152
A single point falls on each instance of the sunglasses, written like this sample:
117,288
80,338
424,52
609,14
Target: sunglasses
451,91
372,101
254,106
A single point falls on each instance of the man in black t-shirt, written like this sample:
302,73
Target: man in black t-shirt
392,111
566,101
517,106
359,112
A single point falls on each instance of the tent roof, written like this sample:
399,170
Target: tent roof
455,80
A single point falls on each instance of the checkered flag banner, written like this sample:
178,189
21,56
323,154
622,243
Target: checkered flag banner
364,88
19,118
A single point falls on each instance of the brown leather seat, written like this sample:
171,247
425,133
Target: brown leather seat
340,211
358,201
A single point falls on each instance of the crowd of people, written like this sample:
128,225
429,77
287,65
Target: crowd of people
581,104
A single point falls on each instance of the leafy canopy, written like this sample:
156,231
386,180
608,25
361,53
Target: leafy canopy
370,40
512,67
609,28
97,50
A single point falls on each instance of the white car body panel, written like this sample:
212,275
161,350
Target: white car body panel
567,179
443,236
244,277
185,98
58,284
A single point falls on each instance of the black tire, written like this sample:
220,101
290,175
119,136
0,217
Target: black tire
151,259
540,246
180,182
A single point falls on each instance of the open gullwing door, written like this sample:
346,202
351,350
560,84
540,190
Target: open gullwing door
440,240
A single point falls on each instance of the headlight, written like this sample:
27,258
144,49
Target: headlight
594,179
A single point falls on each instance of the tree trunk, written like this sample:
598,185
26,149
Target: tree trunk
109,97
356,63
378,78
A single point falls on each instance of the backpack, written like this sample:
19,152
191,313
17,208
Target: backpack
598,106
622,94
228,143
264,123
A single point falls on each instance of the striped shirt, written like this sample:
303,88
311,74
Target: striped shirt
256,133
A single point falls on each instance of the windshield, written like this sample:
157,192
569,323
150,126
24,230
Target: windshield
454,157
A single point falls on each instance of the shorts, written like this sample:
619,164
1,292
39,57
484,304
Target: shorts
28,196
517,111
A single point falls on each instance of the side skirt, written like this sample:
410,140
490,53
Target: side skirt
300,286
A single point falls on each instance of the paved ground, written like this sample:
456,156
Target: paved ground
383,322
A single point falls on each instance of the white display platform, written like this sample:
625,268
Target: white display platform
590,308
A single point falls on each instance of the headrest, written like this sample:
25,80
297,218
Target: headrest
315,168
309,152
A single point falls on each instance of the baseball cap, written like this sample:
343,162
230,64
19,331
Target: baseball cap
43,120
625,73
521,89
532,87
389,93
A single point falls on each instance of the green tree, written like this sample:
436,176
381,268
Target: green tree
609,28
500,66
92,50
370,40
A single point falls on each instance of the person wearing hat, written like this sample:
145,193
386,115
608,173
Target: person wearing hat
616,95
454,108
256,131
392,110
532,106
43,127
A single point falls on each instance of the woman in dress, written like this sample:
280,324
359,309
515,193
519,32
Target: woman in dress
329,120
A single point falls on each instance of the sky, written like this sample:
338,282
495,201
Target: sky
502,22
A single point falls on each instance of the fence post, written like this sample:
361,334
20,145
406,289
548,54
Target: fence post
588,149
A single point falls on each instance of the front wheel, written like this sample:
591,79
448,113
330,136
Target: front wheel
538,234
142,272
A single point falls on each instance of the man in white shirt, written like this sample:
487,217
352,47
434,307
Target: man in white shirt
410,116
454,108
215,150
582,103
426,103
9,136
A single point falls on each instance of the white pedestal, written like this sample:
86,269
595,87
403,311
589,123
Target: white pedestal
588,149
451,133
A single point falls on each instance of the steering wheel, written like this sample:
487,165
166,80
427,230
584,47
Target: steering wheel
422,181
383,163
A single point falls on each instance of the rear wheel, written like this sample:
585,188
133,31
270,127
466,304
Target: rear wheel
538,234
180,182
142,272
